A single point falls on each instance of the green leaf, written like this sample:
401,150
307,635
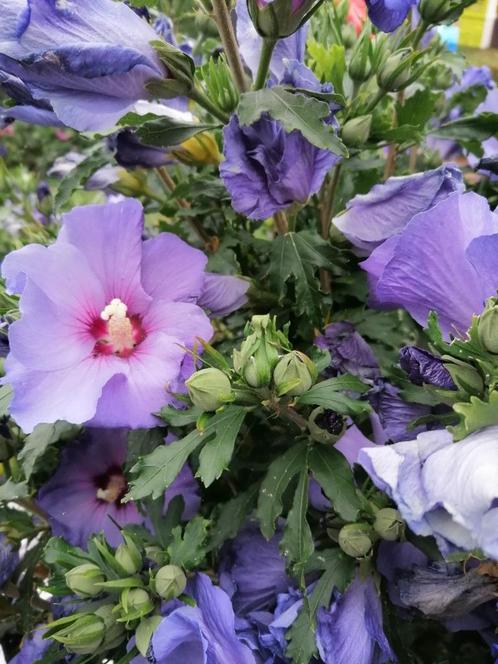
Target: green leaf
79,176
231,517
295,112
280,473
166,132
58,552
217,452
6,394
144,632
418,109
475,415
298,256
473,127
142,442
11,490
297,541
37,443
188,549
327,395
332,471
180,418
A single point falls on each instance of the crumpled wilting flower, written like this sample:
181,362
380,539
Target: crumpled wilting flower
349,352
85,494
372,218
200,634
444,260
421,366
442,488
106,320
387,15
87,60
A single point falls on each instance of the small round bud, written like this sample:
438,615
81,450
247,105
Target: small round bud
84,636
209,389
83,580
259,352
487,329
356,131
170,582
294,374
129,557
389,524
114,631
360,66
396,71
355,539
136,603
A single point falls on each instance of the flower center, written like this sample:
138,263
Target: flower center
112,486
116,332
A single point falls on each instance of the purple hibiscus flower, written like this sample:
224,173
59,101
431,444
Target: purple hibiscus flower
351,629
85,494
89,60
106,320
444,260
387,15
204,634
442,488
247,552
349,352
371,219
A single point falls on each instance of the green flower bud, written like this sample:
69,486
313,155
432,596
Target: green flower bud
348,35
276,19
180,70
388,524
487,329
128,555
441,11
259,352
356,131
360,66
396,72
209,389
114,631
83,580
84,636
465,377
355,539
170,582
135,603
294,374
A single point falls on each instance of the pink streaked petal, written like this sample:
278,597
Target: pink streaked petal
171,269
110,237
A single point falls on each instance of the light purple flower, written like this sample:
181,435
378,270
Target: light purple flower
441,488
89,59
204,634
372,218
247,553
33,647
106,320
267,169
444,260
387,15
85,494
349,352
351,629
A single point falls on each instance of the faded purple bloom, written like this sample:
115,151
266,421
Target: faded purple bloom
490,145
424,367
351,629
204,634
86,492
442,488
222,294
252,571
444,260
33,647
387,15
106,320
267,169
9,559
349,352
385,211
89,60
395,415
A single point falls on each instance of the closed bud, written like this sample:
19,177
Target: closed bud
348,35
356,539
465,377
356,131
114,631
199,150
128,555
388,524
135,603
396,72
276,19
360,66
487,329
179,72
170,582
294,374
442,11
84,579
84,636
259,352
209,389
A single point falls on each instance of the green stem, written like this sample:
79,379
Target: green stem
281,222
419,33
204,101
229,41
326,212
264,63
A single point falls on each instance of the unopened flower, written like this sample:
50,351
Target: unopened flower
387,15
